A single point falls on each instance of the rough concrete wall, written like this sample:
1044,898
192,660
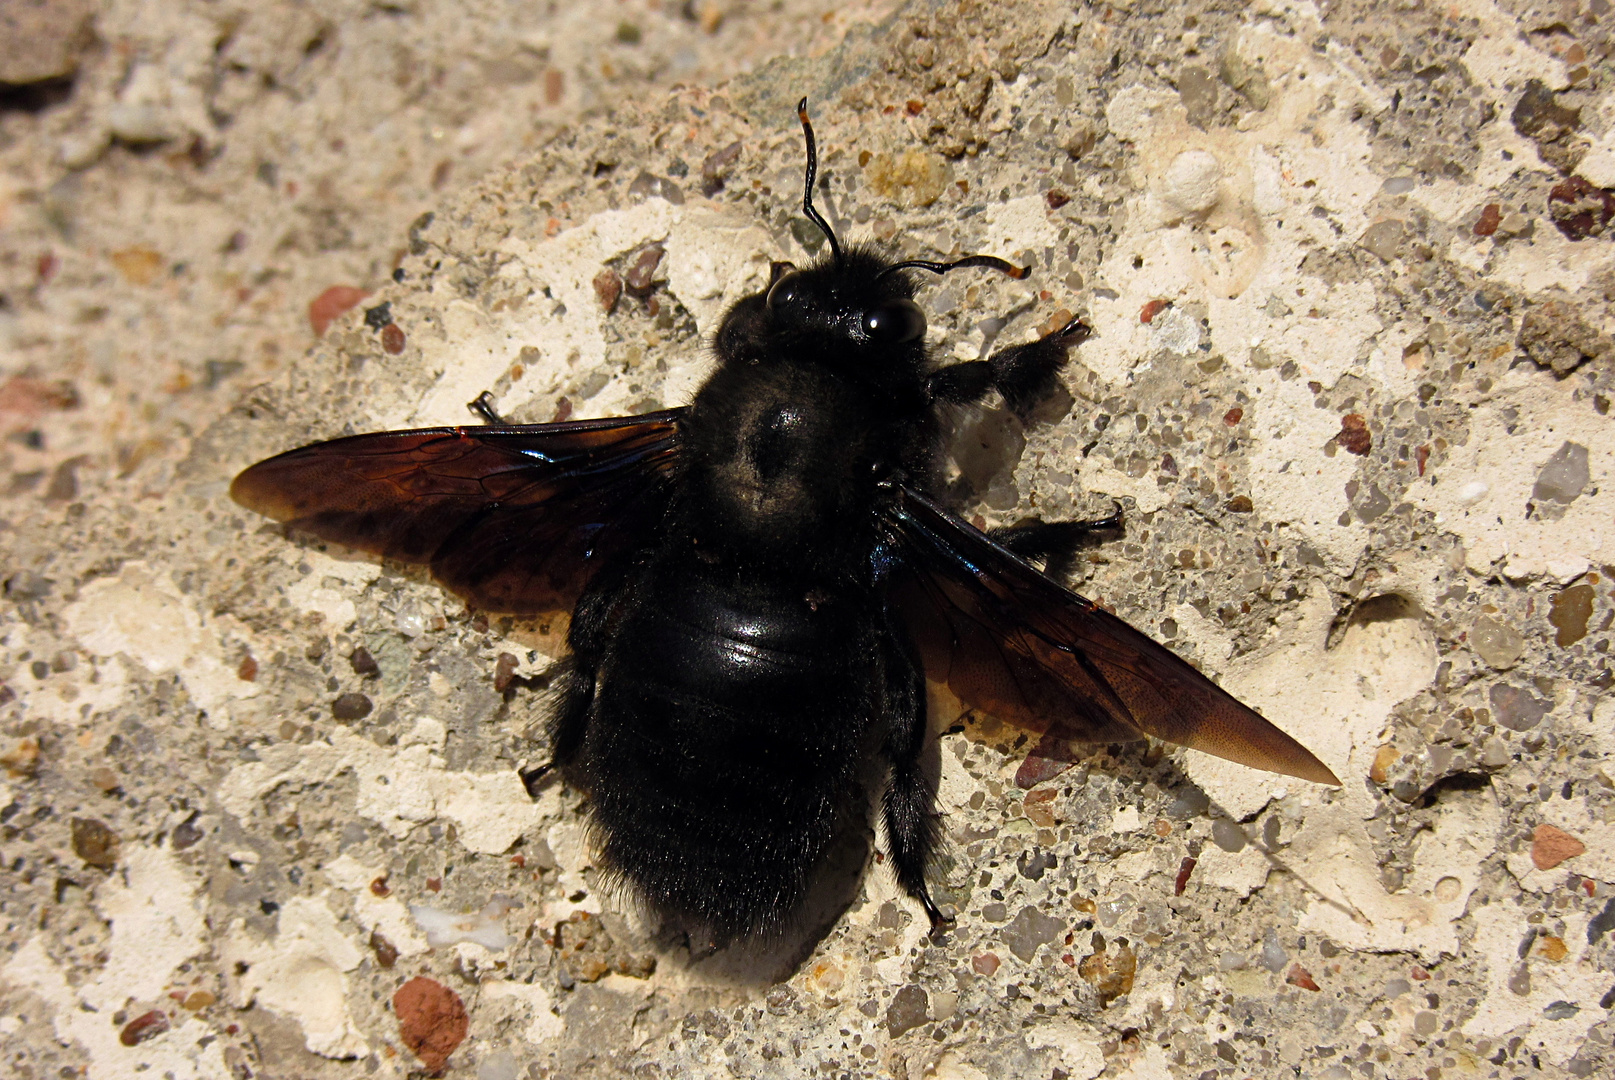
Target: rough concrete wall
1348,268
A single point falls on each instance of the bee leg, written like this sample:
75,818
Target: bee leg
1053,542
482,405
578,678
532,779
911,827
1023,374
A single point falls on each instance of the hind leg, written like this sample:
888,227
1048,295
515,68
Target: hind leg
911,823
578,679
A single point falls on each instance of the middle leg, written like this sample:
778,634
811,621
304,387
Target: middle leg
1055,543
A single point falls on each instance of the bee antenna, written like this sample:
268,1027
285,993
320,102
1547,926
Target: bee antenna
812,173
991,261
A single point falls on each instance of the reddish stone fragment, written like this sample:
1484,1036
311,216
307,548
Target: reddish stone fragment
1579,209
379,887
431,1020
504,671
985,964
1551,846
386,952
143,1027
1037,807
327,307
27,397
248,669
641,276
1233,416
1056,198
392,338
607,288
1490,215
1152,309
915,107
1354,437
1185,868
1299,976
1422,456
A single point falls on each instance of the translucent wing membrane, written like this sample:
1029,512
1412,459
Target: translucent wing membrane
1007,640
512,518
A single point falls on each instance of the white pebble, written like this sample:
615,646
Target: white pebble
485,928
1473,492
1192,183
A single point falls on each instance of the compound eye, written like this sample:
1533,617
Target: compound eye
787,296
895,322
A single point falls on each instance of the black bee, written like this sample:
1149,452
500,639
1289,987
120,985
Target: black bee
761,583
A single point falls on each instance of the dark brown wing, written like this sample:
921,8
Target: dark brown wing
1007,640
512,518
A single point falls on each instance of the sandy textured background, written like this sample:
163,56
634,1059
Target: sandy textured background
1350,273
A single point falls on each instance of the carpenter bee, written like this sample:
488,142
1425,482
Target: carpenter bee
762,582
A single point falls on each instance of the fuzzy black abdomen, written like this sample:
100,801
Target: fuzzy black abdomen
724,740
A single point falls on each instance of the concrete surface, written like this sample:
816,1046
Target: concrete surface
1350,384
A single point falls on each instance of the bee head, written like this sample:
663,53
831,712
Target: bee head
854,300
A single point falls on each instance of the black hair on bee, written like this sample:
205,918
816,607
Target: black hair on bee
762,582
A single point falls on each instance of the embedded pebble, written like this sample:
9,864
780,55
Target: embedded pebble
1190,802
331,305
409,620
363,663
1228,835
485,927
1030,929
1383,238
1109,970
1192,183
351,706
908,1010
1497,643
44,40
1273,956
1564,475
911,179
588,951
93,842
1517,709
1569,614
1551,846
145,1026
432,1020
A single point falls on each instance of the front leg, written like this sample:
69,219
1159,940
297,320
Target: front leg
1022,373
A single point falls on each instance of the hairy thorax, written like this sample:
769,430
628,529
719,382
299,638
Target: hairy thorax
776,467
